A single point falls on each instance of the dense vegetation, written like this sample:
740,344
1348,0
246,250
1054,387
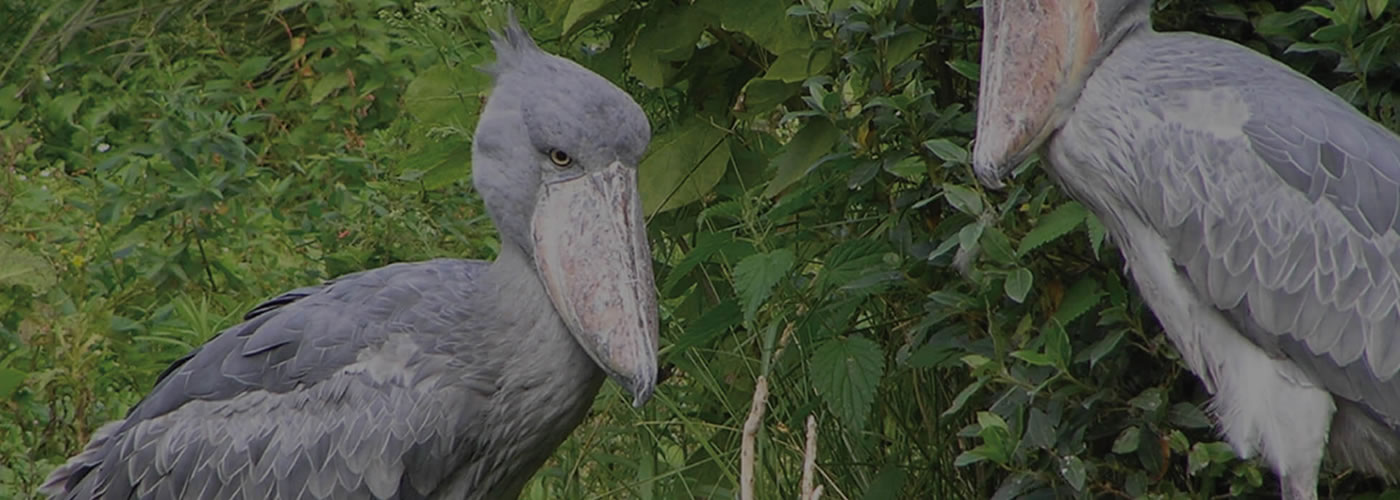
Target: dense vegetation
164,166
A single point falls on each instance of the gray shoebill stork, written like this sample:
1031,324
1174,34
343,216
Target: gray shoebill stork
1257,213
437,379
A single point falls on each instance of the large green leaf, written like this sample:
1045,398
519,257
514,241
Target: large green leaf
846,372
765,21
756,275
582,12
448,95
438,163
19,267
10,380
671,36
810,144
683,165
709,325
798,64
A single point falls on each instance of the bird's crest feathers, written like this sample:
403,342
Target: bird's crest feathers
513,46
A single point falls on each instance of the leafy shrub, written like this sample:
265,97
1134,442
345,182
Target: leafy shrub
811,205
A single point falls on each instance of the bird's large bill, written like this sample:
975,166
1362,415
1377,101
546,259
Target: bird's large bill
1035,56
591,250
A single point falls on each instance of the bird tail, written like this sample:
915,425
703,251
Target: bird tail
1362,440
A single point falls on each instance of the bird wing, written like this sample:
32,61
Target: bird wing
1279,202
343,390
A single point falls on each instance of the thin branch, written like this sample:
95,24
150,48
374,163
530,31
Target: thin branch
809,461
751,426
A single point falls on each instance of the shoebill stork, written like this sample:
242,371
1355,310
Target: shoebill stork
437,379
1256,211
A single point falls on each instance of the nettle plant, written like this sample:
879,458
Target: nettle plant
812,210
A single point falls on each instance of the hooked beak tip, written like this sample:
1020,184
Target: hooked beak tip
989,175
641,394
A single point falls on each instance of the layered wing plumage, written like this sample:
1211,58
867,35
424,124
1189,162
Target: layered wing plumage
350,389
1281,205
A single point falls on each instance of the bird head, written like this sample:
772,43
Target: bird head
555,158
1036,56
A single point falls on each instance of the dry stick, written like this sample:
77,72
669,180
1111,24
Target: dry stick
751,425
809,459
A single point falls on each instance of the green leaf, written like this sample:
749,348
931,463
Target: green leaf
19,267
811,143
1040,430
668,37
1052,226
682,166
756,275
909,168
968,458
1376,7
1097,233
962,398
329,82
582,12
1056,344
889,483
438,164
707,245
1072,469
965,200
709,325
968,69
281,5
902,46
1034,358
1149,400
10,380
1018,284
1197,459
764,22
997,246
447,95
1188,416
798,64
1081,296
852,261
1127,441
846,373
1101,348
762,95
946,150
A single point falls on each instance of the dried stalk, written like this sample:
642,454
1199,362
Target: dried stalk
751,426
809,461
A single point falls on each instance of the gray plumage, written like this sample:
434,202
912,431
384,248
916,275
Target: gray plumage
1259,215
437,379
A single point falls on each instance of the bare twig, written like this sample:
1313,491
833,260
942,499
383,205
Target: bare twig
809,461
751,426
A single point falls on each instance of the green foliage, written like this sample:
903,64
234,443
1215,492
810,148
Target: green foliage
810,202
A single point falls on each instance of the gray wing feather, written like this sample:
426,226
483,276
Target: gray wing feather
343,390
1293,229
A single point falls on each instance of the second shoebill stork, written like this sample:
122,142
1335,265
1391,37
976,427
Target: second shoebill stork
1256,210
439,379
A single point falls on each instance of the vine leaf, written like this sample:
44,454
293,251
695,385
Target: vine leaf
757,274
845,373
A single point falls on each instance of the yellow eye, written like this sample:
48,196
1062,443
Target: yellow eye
560,158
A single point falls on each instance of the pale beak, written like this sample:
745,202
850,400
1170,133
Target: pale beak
591,249
1036,55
